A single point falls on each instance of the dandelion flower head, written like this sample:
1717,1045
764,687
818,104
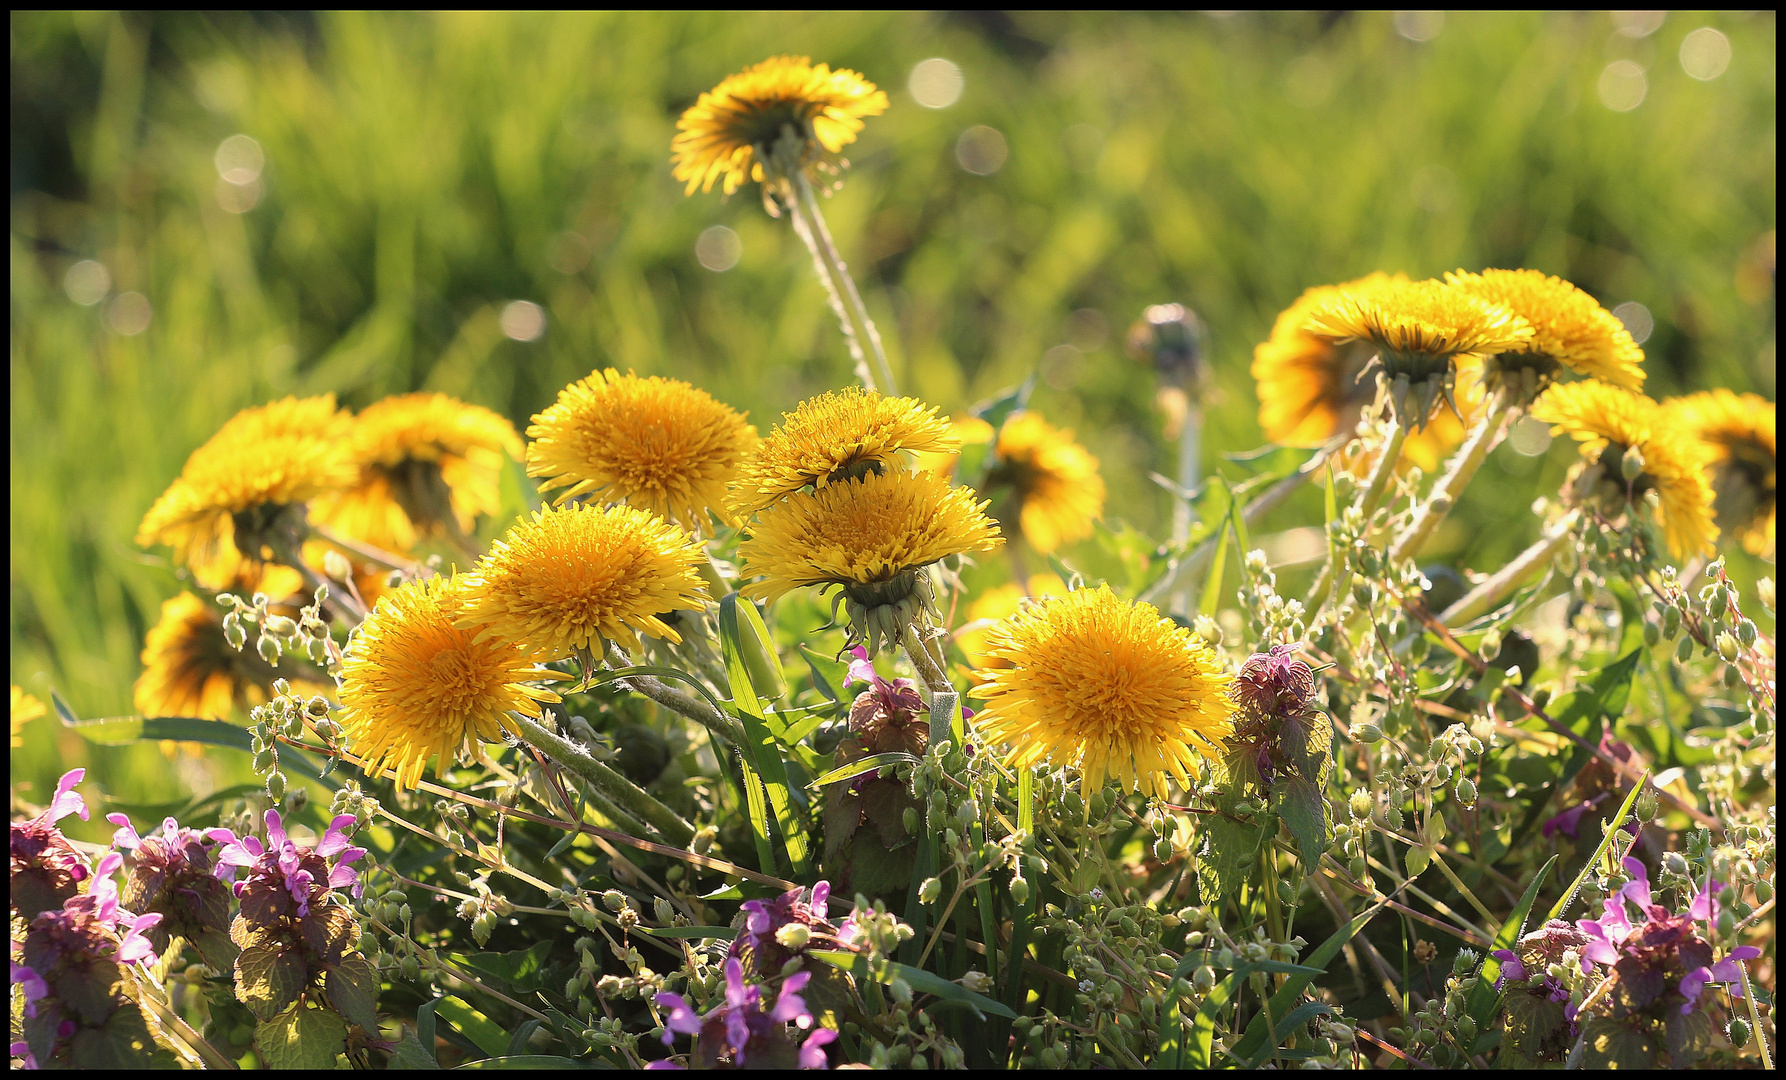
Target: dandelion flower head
416,685
421,457
1569,327
1608,421
1417,326
655,443
1108,686
726,134
263,459
864,531
836,436
190,669
571,577
1054,479
1736,433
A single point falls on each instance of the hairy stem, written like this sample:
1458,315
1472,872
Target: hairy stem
1509,577
858,329
1462,468
629,796
717,723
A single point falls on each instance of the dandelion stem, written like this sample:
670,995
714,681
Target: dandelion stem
1461,469
1508,578
858,329
675,700
1190,445
930,672
629,796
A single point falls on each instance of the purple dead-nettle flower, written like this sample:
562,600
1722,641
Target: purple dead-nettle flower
886,716
1276,683
1533,955
777,930
46,869
174,871
285,878
1279,722
748,1031
1658,957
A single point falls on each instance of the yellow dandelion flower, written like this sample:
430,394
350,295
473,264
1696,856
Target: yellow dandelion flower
864,532
189,669
1421,319
416,685
1569,327
833,437
571,577
1054,480
967,431
25,709
1310,386
655,443
994,604
427,463
1610,420
263,460
728,132
1736,433
1108,686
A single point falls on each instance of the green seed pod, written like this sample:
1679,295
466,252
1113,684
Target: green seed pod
1645,809
1671,622
1652,634
1367,733
411,968
1764,891
1726,923
1360,804
317,649
930,890
1357,868
1466,791
264,760
1745,633
296,801
1684,651
910,820
1019,891
613,899
1719,602
1726,647
276,785
1441,774
1099,804
1739,1032
1074,804
1286,892
269,649
233,631
1162,849
1204,980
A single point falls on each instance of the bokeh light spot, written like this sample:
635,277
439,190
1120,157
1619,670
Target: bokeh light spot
1623,85
981,150
718,248
936,83
1419,25
1637,320
523,320
1637,24
240,159
1530,437
128,314
1705,54
87,282
238,198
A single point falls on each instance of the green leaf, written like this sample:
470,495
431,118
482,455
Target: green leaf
123,730
736,620
408,1054
997,410
1286,1026
269,979
921,981
520,969
523,1035
1196,1055
1610,1044
304,1038
1285,1000
352,988
820,682
1228,856
1612,830
1302,808
1483,997
871,763
474,1025
1212,580
523,1061
726,932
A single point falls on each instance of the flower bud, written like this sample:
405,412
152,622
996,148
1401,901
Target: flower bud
1357,868
1726,646
613,899
233,631
1631,465
1162,849
1466,791
1019,891
930,890
268,647
976,981
910,820
1367,733
1739,1032
900,989
1684,651
276,785
793,936
1745,633
1645,808
1360,804
1204,980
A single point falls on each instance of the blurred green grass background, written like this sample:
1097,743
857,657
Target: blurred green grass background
421,172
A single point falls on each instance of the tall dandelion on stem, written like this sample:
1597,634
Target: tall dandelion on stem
778,123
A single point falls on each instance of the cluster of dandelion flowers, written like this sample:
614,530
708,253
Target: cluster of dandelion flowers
263,460
728,132
190,668
417,685
1569,328
1736,434
1054,480
865,534
1611,422
569,578
836,436
1419,329
1097,682
654,443
427,463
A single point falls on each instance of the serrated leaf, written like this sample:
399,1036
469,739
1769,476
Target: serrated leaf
124,1043
269,979
1528,1022
1304,811
329,931
352,988
1228,856
303,1038
1307,742
1609,1044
